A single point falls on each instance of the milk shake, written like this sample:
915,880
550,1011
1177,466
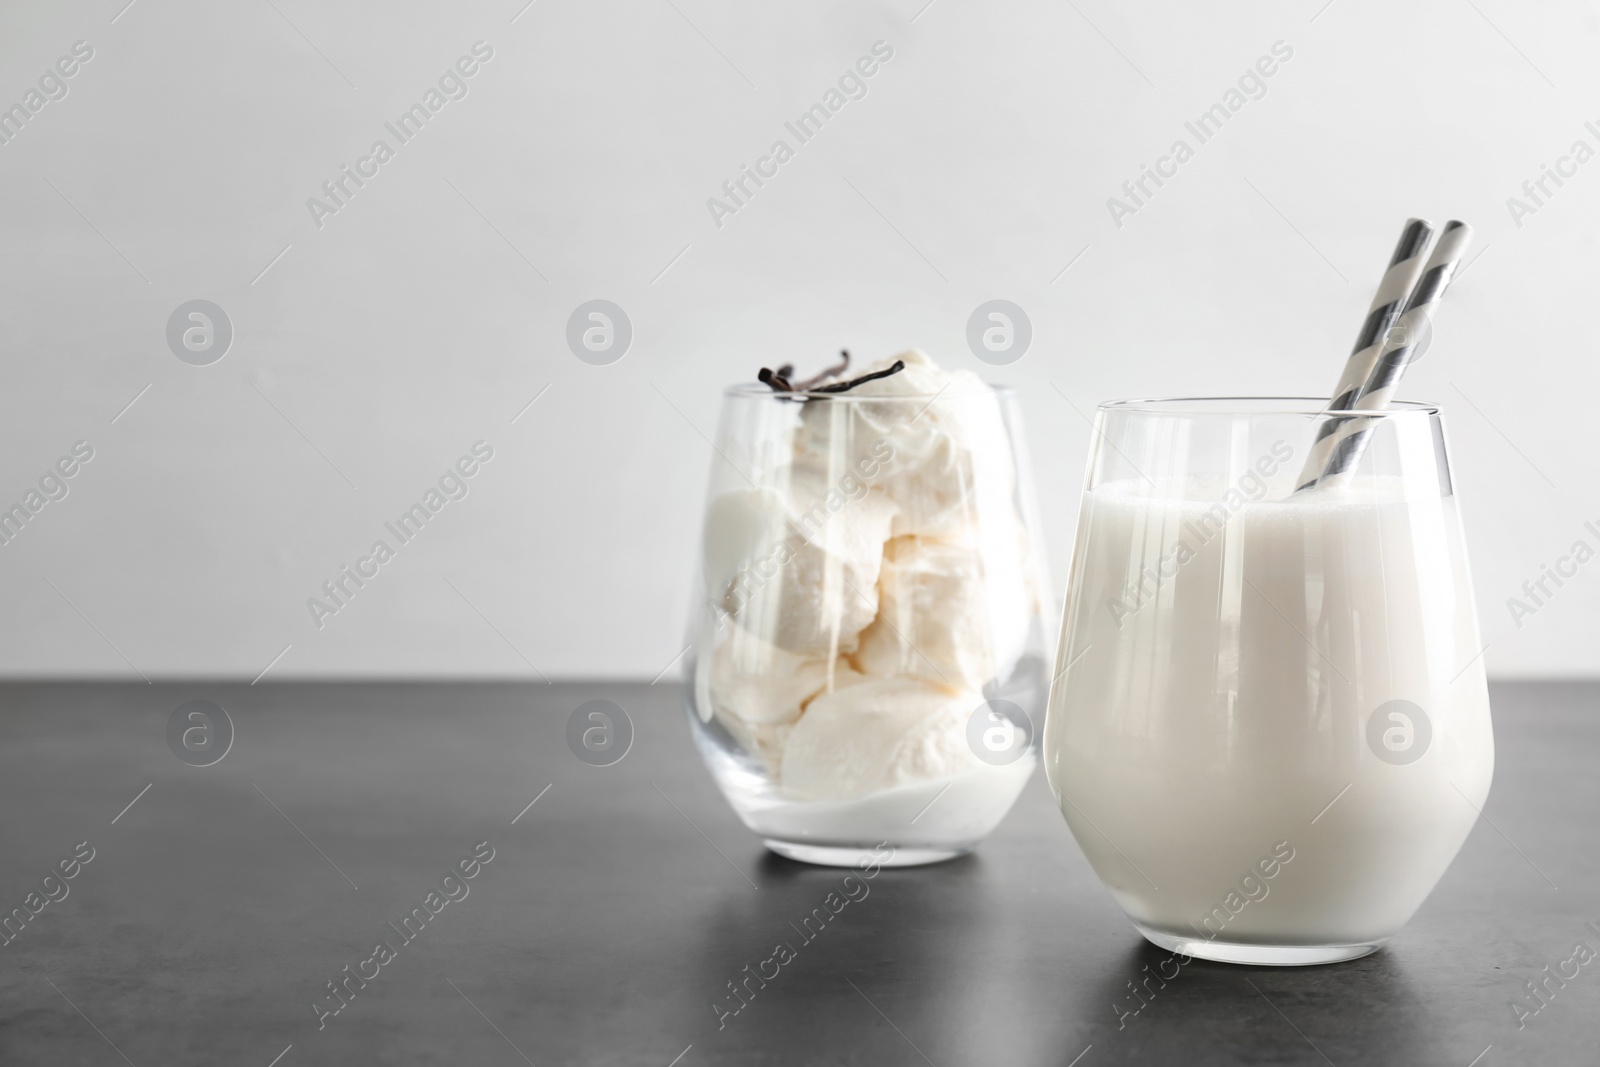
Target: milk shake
1257,681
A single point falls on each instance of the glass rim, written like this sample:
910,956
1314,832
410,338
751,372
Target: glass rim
758,390
1314,406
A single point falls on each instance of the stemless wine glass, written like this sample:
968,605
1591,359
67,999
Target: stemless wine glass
872,634
1270,727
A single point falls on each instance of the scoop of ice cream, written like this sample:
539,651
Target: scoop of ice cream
764,741
936,438
952,612
757,682
879,734
799,573
757,691
960,469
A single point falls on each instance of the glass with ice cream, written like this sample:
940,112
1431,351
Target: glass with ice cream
871,643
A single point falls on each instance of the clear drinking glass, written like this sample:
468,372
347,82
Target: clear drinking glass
872,631
1269,730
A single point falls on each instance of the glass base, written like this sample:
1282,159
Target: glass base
835,856
1259,955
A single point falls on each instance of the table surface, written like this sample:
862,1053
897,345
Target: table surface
220,904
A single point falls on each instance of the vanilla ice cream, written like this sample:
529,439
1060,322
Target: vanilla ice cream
932,621
867,594
760,690
811,595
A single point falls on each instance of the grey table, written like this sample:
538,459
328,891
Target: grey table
220,904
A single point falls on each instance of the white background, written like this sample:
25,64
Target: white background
416,321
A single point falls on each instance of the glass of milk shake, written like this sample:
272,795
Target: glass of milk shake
1269,724
872,632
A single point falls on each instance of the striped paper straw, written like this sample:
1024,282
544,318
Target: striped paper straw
1350,438
1405,267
